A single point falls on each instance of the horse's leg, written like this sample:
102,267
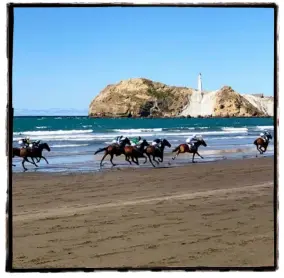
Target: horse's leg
111,158
176,155
145,159
155,160
34,162
193,158
132,158
127,159
199,155
44,159
151,160
103,159
29,161
23,163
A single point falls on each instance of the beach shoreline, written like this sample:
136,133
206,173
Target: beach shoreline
203,214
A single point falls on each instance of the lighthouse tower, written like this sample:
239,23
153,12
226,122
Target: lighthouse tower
200,83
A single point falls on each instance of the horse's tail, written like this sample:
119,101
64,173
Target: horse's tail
255,142
174,150
100,150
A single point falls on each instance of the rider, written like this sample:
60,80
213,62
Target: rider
25,142
136,141
264,135
157,142
191,140
118,139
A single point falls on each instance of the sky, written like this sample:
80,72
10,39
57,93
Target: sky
63,57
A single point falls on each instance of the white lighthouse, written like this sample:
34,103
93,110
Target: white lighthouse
199,83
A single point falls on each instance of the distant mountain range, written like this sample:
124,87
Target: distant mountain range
50,112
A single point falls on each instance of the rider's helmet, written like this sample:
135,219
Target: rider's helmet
261,134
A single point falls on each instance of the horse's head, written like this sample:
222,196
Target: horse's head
166,143
44,146
200,141
203,143
269,136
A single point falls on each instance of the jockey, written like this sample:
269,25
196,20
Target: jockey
191,140
25,142
157,142
118,140
136,141
265,135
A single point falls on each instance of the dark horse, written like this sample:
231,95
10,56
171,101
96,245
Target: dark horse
157,151
184,148
112,150
135,152
35,152
261,144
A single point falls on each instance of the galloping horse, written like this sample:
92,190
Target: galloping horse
157,151
261,144
113,149
184,148
32,153
134,152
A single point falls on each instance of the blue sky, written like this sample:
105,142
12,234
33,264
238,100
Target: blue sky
63,57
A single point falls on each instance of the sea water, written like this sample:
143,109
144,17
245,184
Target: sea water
73,140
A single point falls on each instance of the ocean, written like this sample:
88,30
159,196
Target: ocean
73,140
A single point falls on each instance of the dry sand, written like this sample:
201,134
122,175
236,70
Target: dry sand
215,214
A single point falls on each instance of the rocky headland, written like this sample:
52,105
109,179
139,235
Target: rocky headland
140,97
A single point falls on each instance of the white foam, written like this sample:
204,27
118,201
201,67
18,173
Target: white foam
235,129
51,132
265,127
68,145
138,130
41,127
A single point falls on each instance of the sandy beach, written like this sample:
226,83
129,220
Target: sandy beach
203,214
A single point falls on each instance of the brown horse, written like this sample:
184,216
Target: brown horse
32,153
261,144
157,151
184,148
134,152
112,150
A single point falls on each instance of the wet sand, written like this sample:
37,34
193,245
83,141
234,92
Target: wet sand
212,214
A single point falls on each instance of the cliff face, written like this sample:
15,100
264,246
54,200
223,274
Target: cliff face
141,97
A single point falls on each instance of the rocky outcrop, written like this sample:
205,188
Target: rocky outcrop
140,97
230,103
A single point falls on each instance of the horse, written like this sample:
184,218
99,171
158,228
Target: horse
32,153
184,148
157,151
135,152
114,149
261,144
